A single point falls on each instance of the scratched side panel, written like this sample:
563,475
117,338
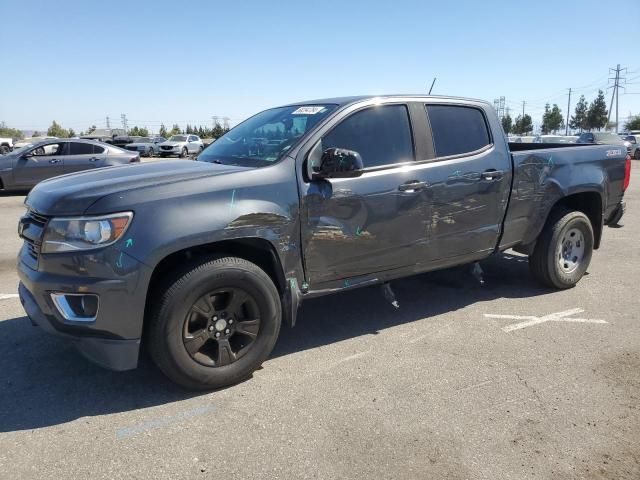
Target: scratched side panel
543,177
252,203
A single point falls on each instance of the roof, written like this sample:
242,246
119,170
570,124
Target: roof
343,101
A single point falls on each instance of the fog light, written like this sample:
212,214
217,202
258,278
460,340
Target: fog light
76,307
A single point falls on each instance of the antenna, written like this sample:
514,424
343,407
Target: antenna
432,84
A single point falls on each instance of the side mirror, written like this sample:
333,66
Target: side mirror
338,163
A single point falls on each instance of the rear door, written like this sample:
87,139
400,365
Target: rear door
40,163
83,156
469,181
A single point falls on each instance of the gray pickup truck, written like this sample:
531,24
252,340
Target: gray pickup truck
202,261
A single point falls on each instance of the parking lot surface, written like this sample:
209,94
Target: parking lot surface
502,381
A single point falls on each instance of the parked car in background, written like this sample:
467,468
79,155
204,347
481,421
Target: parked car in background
6,145
634,145
182,146
602,138
25,167
123,140
147,146
555,139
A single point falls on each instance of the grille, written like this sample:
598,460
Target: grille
34,245
38,219
165,147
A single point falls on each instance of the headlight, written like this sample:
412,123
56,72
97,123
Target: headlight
84,233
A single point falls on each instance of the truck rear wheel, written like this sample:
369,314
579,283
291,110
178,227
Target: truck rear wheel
563,251
215,323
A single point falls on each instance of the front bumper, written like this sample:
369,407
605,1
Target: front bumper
173,151
112,340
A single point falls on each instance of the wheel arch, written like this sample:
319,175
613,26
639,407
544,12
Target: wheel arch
253,249
589,202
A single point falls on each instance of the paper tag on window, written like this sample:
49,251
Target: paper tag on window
307,110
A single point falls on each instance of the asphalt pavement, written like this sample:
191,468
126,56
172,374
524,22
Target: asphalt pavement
502,381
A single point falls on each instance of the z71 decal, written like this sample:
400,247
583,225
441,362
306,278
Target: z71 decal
613,153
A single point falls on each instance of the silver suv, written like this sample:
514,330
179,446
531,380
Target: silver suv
181,145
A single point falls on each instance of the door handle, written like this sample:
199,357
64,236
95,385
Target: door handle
492,174
93,159
413,186
54,160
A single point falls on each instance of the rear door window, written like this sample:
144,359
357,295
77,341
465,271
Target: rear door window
78,148
380,134
457,130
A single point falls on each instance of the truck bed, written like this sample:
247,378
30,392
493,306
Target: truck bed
545,173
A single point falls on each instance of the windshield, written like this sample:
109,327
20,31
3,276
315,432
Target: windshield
143,140
265,137
178,138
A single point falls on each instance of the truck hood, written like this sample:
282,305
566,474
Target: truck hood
73,194
172,144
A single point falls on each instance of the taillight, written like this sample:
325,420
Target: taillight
135,159
627,173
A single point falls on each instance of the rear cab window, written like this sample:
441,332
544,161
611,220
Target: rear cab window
457,129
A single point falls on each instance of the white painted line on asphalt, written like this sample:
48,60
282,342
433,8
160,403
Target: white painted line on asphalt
7,296
162,422
531,320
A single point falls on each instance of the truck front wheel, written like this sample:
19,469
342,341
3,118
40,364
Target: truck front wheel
563,251
214,323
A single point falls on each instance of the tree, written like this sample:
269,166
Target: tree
579,120
597,114
35,133
138,132
507,124
91,129
56,130
175,130
10,132
523,125
163,130
72,133
552,119
633,123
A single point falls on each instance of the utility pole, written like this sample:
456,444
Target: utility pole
123,117
108,123
523,104
568,113
617,80
225,121
215,120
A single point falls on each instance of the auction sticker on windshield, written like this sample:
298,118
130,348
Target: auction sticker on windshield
308,110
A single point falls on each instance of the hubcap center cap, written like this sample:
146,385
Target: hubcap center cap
221,325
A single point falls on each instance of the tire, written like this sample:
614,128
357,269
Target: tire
150,152
4,150
563,251
636,154
184,153
182,336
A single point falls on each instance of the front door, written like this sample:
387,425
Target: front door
355,227
39,163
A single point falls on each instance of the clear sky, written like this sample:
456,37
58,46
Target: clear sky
173,62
